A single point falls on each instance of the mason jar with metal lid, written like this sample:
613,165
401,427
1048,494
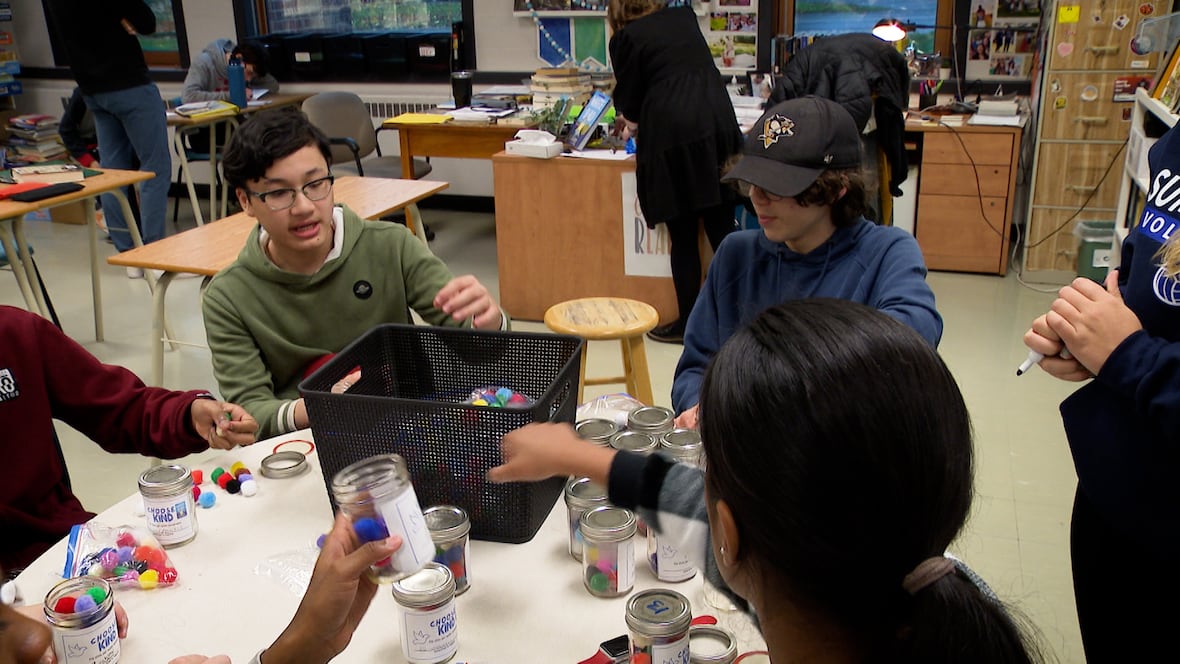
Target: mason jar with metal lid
426,615
89,635
684,445
449,527
608,551
709,644
597,430
634,441
655,420
580,495
658,621
668,562
640,443
377,496
168,504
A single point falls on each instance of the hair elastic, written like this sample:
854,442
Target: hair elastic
927,572
281,465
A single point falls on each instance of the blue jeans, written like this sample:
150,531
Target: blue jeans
131,127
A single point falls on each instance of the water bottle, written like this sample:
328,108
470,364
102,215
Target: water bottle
237,82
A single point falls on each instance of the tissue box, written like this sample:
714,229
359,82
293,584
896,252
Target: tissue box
539,150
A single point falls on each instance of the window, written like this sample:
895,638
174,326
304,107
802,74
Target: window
361,15
360,40
166,49
163,49
816,17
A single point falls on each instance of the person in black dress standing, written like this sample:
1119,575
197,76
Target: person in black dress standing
668,88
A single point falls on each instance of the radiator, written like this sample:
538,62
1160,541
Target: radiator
381,108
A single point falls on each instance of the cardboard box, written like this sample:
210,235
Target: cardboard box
70,213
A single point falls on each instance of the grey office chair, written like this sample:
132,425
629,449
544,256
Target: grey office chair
342,116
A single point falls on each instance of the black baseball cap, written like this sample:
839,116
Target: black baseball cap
793,142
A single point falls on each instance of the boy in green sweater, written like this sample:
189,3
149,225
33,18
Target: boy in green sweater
313,276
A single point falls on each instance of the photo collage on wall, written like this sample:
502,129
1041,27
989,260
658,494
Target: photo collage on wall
1002,41
731,28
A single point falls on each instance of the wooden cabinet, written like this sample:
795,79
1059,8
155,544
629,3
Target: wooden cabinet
965,184
1081,129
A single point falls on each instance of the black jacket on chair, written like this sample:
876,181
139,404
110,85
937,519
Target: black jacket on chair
861,73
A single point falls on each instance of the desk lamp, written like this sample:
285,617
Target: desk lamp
1156,34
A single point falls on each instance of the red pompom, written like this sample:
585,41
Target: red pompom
64,605
198,477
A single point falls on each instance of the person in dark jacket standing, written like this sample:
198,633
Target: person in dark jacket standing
108,64
870,79
668,86
1123,427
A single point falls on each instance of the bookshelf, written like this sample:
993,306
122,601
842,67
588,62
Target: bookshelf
1150,118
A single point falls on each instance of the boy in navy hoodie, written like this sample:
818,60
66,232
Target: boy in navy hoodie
800,168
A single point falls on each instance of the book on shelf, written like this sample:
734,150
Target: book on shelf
204,109
48,173
1168,84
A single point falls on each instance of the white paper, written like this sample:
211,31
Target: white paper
645,251
605,155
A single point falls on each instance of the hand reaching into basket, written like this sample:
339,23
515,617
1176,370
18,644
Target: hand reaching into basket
539,451
465,298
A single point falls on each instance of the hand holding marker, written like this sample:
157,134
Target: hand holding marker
1035,357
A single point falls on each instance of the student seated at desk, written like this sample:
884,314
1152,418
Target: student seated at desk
45,375
313,276
336,599
208,78
839,471
801,168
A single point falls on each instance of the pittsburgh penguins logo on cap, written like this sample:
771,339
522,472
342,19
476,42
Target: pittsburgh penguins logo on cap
774,128
363,290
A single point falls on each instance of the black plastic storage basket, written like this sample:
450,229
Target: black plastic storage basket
410,401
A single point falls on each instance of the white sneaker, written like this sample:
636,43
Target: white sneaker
135,273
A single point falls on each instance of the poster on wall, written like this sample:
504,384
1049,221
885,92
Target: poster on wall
645,251
1002,41
731,29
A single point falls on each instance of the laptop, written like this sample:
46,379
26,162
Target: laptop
588,120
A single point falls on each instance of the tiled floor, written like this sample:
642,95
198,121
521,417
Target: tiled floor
1017,537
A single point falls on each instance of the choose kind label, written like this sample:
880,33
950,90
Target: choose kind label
97,644
429,636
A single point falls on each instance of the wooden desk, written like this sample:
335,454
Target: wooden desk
460,141
184,125
12,215
559,236
208,249
966,189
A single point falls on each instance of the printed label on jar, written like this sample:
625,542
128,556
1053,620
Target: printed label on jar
429,636
626,563
672,563
670,653
403,517
171,520
97,644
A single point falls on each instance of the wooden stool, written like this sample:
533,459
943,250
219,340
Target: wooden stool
598,318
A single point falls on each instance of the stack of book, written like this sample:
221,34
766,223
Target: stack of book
552,84
33,138
206,109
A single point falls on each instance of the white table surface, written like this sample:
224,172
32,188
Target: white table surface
526,602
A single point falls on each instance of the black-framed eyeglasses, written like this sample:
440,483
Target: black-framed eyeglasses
282,199
745,188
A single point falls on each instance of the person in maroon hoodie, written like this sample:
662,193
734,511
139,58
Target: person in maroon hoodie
45,375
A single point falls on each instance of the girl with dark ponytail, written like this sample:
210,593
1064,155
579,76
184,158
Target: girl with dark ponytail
839,472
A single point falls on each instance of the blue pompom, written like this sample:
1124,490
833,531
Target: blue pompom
207,499
370,530
454,554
